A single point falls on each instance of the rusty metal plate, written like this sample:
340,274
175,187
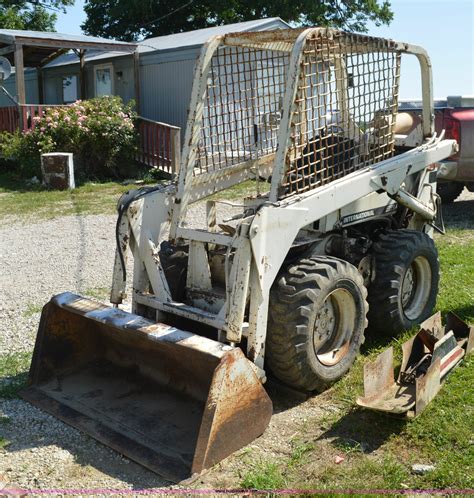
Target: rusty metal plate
427,359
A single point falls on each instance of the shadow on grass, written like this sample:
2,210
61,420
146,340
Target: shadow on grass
463,312
363,429
459,214
11,182
11,385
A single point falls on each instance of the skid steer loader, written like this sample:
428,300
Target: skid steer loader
342,219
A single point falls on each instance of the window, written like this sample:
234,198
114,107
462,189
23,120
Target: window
69,89
103,80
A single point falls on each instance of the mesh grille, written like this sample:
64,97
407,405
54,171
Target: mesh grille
345,109
242,107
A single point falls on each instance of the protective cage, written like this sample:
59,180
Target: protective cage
338,93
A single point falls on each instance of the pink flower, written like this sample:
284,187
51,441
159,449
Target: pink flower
67,119
42,129
36,119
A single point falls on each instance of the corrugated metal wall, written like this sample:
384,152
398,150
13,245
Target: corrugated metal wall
166,91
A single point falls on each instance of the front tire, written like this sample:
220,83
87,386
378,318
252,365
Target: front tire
317,319
404,290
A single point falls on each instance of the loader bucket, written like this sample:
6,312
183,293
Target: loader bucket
173,401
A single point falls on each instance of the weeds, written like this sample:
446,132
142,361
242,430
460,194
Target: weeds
264,475
13,373
99,293
32,309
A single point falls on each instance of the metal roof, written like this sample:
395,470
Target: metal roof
176,41
200,36
42,45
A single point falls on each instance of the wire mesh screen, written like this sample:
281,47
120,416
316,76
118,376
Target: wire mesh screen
242,107
345,107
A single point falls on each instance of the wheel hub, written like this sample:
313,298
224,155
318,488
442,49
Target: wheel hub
416,286
325,320
333,327
409,285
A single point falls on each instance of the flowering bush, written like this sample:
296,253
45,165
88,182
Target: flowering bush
99,132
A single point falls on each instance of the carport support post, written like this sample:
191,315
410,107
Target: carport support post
39,75
136,73
20,81
82,73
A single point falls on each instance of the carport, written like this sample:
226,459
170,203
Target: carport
35,49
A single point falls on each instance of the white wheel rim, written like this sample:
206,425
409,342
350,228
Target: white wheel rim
334,326
416,287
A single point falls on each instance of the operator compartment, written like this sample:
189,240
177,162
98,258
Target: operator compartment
343,110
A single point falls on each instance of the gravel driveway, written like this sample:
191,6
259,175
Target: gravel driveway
44,258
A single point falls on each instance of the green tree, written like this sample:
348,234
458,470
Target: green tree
37,15
132,19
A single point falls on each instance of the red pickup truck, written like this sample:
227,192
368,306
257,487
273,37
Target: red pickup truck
455,115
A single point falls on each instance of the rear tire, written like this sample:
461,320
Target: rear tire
317,319
449,191
404,291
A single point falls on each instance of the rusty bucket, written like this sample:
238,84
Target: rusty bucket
173,401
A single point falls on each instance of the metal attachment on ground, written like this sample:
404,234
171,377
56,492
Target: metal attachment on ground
427,359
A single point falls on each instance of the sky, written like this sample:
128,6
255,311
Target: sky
445,28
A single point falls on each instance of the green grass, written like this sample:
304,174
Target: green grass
26,201
16,199
240,191
13,373
456,253
264,475
32,309
99,293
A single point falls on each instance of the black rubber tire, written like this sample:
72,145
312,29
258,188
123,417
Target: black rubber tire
449,191
296,298
395,253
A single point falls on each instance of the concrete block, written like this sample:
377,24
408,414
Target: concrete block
57,169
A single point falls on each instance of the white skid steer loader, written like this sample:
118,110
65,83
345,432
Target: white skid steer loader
342,220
